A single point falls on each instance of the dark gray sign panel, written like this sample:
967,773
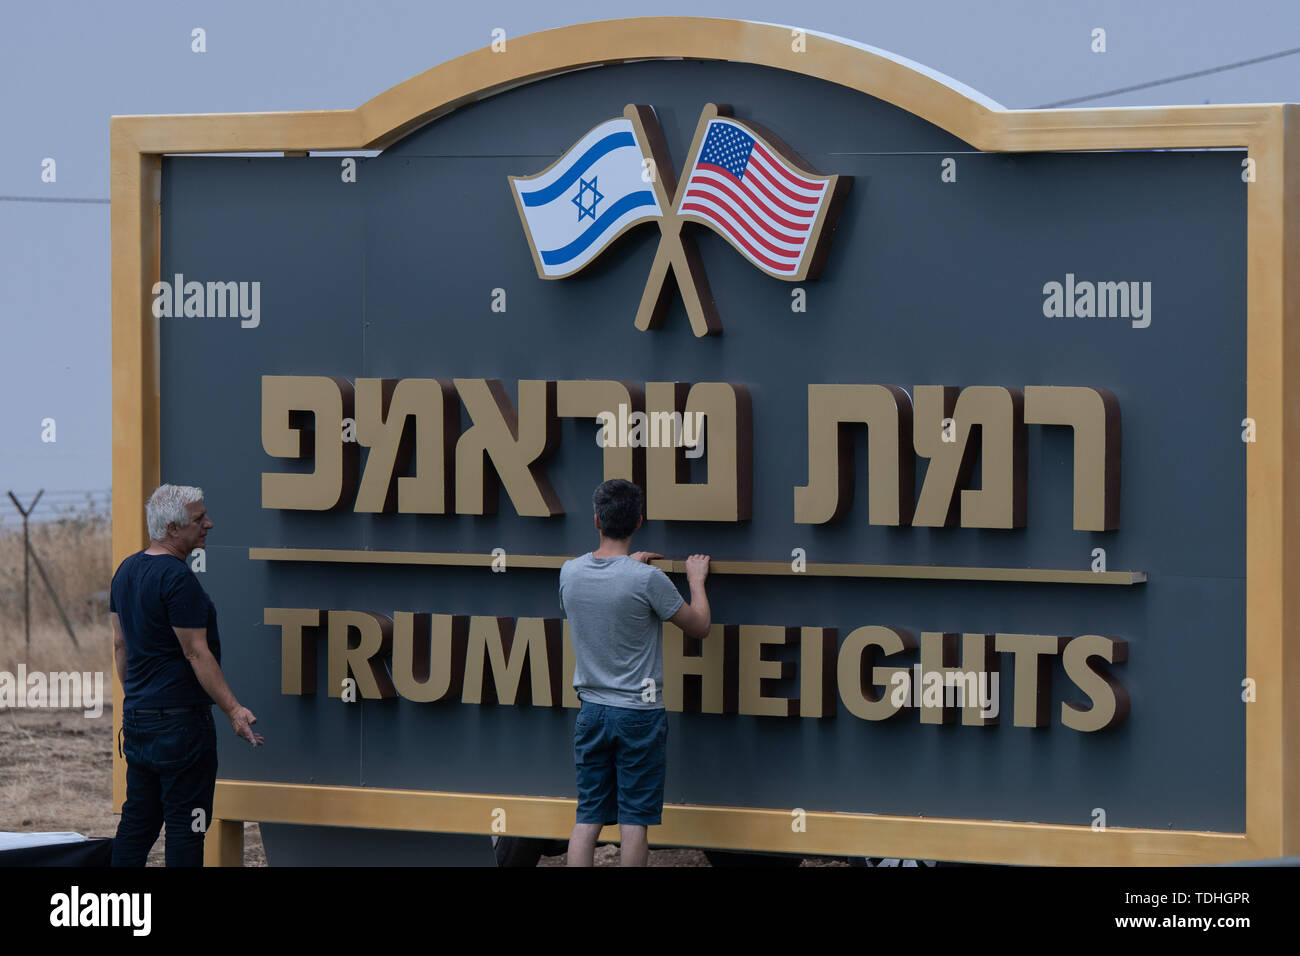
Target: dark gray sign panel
927,282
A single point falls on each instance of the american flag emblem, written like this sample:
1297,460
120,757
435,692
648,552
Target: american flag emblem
744,190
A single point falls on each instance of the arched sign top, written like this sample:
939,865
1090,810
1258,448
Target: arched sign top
942,78
926,93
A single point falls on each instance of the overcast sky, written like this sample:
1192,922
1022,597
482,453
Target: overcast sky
65,68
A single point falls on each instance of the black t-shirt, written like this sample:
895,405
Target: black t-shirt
151,594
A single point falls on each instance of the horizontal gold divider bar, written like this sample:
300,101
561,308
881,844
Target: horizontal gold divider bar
781,568
735,828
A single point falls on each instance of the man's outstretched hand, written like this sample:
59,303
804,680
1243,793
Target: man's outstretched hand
645,557
242,720
697,568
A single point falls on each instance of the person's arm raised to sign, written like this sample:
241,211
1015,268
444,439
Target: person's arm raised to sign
694,617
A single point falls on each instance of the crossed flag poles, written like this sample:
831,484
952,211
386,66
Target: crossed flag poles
739,180
676,252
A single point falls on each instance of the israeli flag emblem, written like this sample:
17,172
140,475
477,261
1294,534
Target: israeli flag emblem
586,199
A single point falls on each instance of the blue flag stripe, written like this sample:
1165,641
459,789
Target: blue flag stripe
553,257
602,146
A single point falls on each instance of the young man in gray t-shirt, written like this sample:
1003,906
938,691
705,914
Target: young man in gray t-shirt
615,602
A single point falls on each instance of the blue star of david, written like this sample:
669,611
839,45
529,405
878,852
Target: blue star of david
596,197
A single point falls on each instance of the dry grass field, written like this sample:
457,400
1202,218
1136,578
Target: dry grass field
76,552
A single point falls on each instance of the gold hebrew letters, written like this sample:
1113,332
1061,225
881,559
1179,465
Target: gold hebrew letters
886,410
727,435
651,436
329,401
593,398
383,407
946,434
517,442
1094,415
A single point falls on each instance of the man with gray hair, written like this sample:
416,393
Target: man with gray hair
168,657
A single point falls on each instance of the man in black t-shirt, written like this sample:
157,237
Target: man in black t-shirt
168,656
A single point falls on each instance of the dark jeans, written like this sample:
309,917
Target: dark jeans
171,771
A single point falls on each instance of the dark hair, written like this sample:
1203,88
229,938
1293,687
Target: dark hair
618,506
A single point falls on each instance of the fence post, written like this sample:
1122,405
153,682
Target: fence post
29,556
27,550
67,625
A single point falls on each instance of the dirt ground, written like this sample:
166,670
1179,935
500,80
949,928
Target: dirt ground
56,773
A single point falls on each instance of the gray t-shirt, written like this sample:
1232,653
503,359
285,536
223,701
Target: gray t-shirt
614,606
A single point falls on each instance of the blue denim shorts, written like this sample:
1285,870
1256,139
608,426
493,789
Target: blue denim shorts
619,755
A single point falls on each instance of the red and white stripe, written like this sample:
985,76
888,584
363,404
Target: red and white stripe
768,213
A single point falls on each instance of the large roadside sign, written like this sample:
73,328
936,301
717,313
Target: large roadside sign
980,413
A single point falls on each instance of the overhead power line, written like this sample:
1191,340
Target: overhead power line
95,202
69,491
1171,79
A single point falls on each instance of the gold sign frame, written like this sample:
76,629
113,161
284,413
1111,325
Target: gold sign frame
1271,135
